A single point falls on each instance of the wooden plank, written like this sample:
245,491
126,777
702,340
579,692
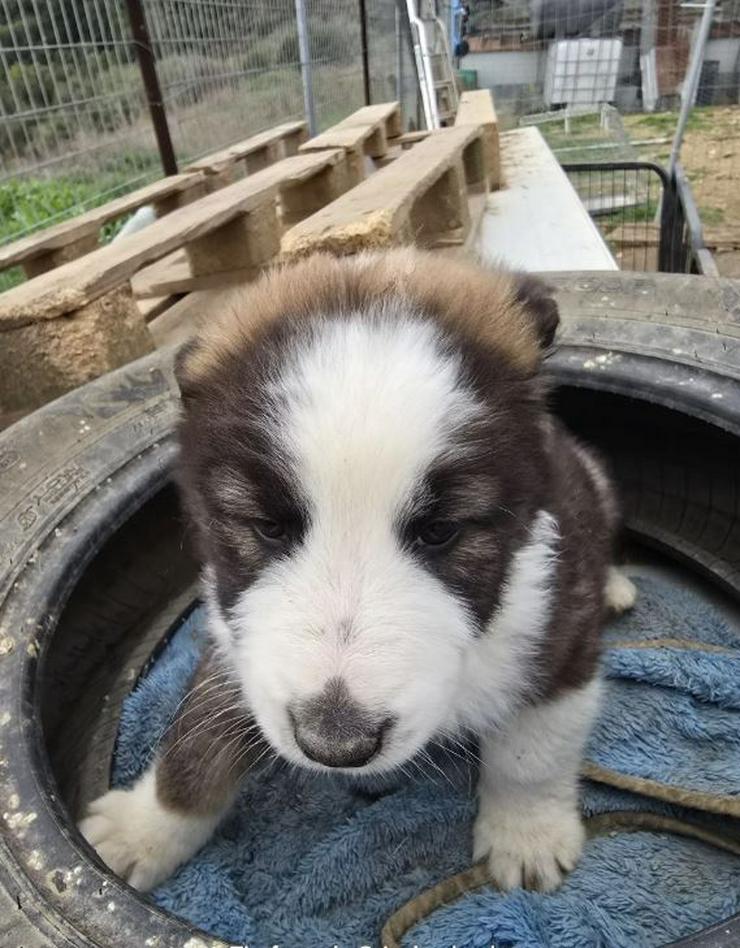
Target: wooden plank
148,282
299,197
225,158
183,319
537,221
89,223
151,308
409,139
357,142
386,113
421,197
74,284
364,132
174,275
477,108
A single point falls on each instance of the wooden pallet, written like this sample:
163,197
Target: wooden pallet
253,154
303,192
173,276
477,108
56,245
72,323
421,197
364,134
73,238
387,115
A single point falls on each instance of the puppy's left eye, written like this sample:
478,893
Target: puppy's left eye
436,533
271,530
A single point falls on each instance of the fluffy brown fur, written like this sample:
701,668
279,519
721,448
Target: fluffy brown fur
488,306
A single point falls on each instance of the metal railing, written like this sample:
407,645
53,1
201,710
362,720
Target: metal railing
646,215
683,249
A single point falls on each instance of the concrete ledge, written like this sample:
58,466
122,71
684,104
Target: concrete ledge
537,222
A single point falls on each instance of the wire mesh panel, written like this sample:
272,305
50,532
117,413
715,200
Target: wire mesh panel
74,126
647,217
392,69
227,68
633,53
336,59
625,200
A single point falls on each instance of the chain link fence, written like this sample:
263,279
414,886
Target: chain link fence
75,128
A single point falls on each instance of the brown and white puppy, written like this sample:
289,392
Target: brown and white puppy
400,544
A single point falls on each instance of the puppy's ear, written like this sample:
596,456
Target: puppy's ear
538,299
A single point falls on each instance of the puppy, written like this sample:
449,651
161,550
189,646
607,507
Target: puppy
400,544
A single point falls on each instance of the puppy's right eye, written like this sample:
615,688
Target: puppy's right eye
271,530
436,534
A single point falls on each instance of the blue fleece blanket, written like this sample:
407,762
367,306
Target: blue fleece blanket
314,861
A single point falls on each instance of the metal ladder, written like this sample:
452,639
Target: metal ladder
433,63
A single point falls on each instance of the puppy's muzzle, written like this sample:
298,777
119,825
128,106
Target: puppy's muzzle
335,730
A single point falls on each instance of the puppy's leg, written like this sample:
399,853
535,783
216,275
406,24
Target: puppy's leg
145,832
620,592
528,820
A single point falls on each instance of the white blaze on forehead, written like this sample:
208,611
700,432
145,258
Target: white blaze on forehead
364,405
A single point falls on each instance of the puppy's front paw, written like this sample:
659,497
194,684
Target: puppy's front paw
620,592
533,850
142,841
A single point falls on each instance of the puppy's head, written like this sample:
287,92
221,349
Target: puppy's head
361,453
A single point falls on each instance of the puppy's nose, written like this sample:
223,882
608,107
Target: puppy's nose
335,730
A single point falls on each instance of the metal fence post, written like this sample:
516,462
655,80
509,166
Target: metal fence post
365,53
304,50
148,68
691,82
399,55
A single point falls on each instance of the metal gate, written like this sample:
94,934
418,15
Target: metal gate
648,218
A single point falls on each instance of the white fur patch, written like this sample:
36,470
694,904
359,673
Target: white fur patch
497,666
600,480
138,838
528,821
620,591
363,409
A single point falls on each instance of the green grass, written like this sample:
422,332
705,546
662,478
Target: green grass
663,124
712,215
29,204
630,215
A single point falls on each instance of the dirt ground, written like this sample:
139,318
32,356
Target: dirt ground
711,159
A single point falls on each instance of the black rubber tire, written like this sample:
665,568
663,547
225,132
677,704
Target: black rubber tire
93,568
